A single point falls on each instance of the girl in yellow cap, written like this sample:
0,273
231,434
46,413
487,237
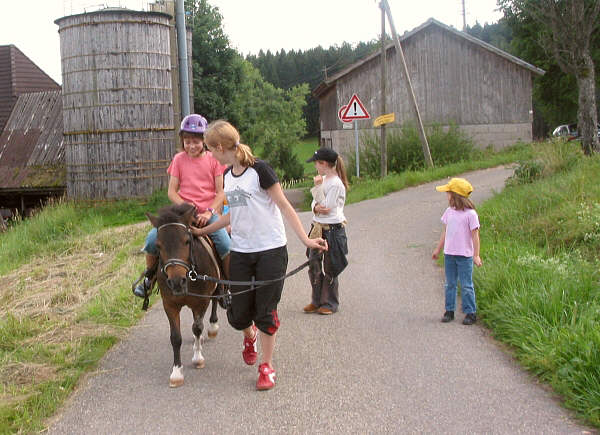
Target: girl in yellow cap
460,240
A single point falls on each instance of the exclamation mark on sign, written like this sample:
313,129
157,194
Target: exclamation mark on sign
355,108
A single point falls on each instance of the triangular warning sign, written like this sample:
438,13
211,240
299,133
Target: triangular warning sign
355,110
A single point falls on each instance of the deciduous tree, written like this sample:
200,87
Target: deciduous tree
566,28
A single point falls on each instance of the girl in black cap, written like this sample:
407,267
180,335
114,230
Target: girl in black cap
329,196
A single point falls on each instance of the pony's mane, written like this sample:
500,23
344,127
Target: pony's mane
173,213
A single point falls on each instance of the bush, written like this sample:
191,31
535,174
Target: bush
446,145
526,172
553,157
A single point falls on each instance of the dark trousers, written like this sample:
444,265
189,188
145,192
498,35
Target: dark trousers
324,288
259,306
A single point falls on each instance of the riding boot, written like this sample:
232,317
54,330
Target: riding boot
221,287
144,288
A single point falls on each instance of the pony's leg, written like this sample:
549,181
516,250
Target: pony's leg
197,326
213,328
176,379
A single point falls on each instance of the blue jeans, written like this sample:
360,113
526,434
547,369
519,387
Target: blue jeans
220,238
459,268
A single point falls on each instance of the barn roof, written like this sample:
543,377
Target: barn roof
31,144
18,75
326,84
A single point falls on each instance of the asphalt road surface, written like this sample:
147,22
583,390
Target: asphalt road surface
383,364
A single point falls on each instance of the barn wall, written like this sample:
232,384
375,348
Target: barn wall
455,81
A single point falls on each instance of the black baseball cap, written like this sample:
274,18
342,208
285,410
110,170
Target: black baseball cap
326,154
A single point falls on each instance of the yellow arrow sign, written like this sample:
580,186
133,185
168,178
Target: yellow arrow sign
384,119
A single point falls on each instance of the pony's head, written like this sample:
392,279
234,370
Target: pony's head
173,243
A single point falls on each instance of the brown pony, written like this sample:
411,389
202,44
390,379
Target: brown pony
181,258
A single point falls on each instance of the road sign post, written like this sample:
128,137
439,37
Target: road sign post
356,149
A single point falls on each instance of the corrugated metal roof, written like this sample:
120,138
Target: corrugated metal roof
326,84
19,75
31,145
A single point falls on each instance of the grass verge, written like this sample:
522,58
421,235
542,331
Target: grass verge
59,316
539,290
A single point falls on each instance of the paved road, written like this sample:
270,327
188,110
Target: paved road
383,364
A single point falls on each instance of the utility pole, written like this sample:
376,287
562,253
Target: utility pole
409,88
383,94
464,14
184,88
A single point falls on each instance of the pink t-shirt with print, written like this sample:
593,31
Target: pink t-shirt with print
196,178
459,224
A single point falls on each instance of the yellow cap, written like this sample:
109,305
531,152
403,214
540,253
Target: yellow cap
457,185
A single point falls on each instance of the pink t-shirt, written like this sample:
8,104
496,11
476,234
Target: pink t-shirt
196,178
459,224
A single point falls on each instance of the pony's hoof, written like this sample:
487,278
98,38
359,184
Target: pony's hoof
199,364
174,383
176,379
213,330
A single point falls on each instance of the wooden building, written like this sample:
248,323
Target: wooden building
457,79
19,75
32,163
31,144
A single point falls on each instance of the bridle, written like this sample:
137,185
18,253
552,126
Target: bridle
189,267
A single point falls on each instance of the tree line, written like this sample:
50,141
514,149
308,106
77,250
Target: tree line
268,95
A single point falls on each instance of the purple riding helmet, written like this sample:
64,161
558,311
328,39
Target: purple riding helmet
194,124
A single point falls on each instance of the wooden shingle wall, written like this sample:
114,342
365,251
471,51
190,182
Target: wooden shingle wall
117,103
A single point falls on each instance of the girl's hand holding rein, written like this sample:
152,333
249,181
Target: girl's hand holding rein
477,261
318,244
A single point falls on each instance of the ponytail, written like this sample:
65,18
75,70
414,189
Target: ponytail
244,155
222,133
341,171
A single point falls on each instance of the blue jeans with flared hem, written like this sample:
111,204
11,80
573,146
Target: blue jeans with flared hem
459,269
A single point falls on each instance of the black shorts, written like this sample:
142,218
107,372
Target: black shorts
259,306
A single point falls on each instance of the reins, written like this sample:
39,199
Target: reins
193,276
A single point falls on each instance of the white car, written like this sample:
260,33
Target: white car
566,130
569,131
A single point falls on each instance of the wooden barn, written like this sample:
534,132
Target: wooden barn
457,79
32,165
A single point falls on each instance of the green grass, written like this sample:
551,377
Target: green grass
57,229
539,289
76,342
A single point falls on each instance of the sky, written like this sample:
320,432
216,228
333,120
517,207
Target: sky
251,25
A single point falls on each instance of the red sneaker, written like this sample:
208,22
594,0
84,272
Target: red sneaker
266,377
250,351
